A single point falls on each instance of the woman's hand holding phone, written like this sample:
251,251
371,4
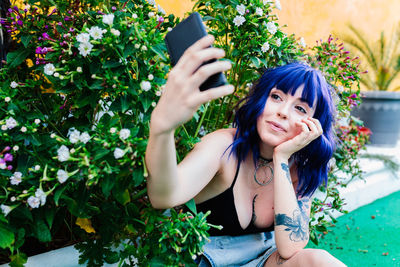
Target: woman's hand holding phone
181,96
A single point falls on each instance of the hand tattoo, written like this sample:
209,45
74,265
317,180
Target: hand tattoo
285,167
298,224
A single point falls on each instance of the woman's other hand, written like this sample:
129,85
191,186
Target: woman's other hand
181,96
310,129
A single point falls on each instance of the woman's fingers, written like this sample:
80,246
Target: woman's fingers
214,93
197,54
205,71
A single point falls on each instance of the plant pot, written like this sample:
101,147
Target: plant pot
380,111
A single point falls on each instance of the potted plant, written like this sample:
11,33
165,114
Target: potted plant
380,109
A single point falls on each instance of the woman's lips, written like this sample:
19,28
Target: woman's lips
276,126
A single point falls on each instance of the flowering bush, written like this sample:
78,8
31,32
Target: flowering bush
77,93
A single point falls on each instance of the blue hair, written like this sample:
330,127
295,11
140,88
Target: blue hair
312,160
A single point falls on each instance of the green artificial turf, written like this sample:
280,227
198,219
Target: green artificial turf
368,236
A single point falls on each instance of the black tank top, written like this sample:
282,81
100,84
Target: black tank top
223,212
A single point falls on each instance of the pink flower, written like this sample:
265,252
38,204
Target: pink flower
8,157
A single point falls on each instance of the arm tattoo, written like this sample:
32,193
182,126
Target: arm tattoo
285,167
253,216
297,225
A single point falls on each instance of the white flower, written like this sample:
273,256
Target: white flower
16,178
161,10
4,127
84,138
14,84
118,153
271,27
37,121
145,85
153,104
72,151
53,135
16,148
11,123
23,129
79,69
85,48
33,202
56,74
96,32
134,16
62,176
63,153
5,209
340,88
49,69
83,37
239,20
278,42
241,9
3,166
158,93
265,47
41,195
151,2
124,134
278,4
259,11
113,130
115,32
137,46
302,42
74,136
150,77
144,48
13,198
151,14
108,19
37,167
7,99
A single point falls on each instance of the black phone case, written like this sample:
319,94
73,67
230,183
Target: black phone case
182,36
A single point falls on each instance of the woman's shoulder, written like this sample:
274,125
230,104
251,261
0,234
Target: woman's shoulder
220,139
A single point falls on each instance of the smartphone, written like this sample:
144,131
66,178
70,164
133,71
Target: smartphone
182,36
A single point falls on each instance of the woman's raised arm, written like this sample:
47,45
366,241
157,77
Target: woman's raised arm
167,185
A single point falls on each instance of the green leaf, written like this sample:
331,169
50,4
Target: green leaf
25,39
146,104
58,194
160,50
6,237
107,185
255,61
50,216
125,104
18,260
123,197
191,205
17,57
96,85
101,153
41,231
137,176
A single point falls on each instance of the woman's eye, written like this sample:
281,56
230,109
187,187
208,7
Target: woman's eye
301,109
275,96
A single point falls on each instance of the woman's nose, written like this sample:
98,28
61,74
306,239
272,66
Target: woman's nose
283,112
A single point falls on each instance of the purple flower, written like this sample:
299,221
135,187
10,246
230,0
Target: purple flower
161,19
38,50
114,8
8,157
46,36
9,167
2,161
10,10
59,23
46,26
16,8
71,30
20,23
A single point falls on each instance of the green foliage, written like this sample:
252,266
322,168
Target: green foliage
382,58
75,105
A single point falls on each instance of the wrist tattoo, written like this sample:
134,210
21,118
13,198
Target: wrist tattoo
297,225
285,167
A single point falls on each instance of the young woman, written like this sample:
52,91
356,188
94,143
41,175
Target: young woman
258,178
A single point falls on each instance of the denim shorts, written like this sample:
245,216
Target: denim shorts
250,250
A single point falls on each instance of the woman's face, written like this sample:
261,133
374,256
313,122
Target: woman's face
276,124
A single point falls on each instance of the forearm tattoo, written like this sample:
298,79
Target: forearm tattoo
285,167
297,225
